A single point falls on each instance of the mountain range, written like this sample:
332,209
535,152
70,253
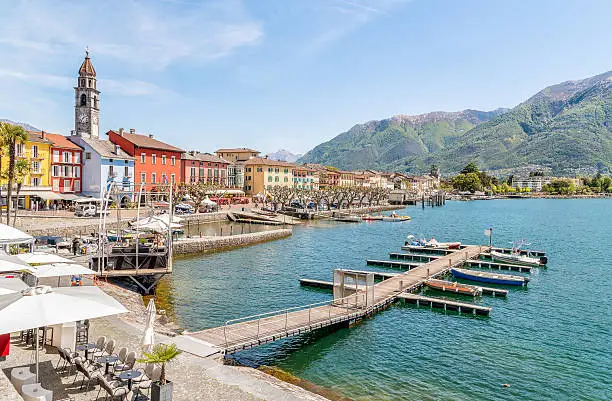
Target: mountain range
284,156
24,125
565,128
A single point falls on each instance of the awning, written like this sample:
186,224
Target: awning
46,195
11,235
70,197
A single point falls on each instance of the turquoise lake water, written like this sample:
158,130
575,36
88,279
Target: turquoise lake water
551,340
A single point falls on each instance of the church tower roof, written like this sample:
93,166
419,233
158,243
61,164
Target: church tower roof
87,68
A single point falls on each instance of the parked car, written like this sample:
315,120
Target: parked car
53,241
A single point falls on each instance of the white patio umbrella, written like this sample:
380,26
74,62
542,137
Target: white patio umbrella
10,263
148,339
61,269
46,306
42,258
10,235
12,285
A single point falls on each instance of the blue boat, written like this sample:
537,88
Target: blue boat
485,277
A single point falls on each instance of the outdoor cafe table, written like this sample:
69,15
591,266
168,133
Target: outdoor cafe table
107,359
86,348
129,375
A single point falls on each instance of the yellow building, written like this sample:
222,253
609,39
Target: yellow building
347,178
36,185
261,173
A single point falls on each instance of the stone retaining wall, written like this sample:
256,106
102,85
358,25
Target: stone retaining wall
192,246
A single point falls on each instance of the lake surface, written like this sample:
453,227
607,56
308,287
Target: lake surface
551,340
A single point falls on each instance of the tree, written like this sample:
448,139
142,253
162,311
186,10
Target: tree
10,136
161,354
434,171
22,169
467,182
470,168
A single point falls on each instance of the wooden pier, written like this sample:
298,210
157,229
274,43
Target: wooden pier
429,251
393,264
445,304
413,256
250,331
488,264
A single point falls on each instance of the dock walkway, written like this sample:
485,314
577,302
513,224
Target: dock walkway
259,329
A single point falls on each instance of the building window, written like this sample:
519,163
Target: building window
269,178
276,170
77,186
77,171
173,178
209,174
269,169
192,173
34,151
153,178
66,185
143,177
36,166
83,100
286,171
286,179
275,179
67,171
173,160
111,172
153,158
66,157
164,178
142,158
259,170
163,160
56,156
19,149
87,155
77,158
126,171
35,181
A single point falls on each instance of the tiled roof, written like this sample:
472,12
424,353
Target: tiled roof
106,149
34,136
87,67
237,150
145,141
61,141
268,162
203,157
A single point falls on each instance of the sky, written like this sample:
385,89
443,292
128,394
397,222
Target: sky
288,74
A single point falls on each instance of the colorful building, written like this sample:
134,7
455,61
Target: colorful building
262,173
156,162
203,167
235,170
66,159
304,177
347,178
36,191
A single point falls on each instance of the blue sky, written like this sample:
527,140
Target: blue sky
273,74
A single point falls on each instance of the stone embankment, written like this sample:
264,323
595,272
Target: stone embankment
360,210
190,246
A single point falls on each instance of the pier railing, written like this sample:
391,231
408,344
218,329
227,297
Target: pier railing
262,327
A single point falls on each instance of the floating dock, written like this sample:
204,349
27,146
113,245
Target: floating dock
393,264
415,257
430,251
445,304
488,264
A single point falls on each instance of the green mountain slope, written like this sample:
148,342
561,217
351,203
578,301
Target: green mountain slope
379,143
565,127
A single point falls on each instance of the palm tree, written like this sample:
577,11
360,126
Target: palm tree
161,354
22,169
10,136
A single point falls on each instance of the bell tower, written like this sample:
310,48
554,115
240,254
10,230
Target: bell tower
87,101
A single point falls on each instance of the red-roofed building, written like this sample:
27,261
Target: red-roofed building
156,162
66,164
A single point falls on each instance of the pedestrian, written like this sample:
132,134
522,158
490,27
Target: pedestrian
75,245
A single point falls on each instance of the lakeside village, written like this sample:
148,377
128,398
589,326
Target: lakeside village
81,210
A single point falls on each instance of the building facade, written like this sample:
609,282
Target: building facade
236,157
262,173
66,159
203,167
304,178
156,162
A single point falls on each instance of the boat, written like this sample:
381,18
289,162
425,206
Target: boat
413,242
395,217
369,217
348,219
493,278
517,257
458,288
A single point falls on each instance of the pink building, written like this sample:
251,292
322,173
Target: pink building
203,167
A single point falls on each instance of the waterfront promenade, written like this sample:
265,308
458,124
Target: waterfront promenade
260,329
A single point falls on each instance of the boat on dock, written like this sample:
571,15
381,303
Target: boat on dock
415,243
486,277
454,287
519,259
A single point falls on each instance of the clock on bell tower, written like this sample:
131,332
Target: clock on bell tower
87,101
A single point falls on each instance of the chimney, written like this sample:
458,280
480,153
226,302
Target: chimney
43,134
117,149
121,131
72,133
132,131
151,136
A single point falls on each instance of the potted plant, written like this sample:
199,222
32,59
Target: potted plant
161,354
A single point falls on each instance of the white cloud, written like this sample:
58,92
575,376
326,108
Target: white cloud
154,34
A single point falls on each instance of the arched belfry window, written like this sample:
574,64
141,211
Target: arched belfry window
83,100
96,102
90,83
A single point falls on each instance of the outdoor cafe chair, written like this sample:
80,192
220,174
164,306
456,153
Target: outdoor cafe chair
100,343
122,355
113,389
147,379
108,349
89,371
130,360
70,358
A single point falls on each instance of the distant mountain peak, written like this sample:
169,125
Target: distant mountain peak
284,155
24,125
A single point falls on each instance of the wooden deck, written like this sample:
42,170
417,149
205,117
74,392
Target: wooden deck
488,264
446,304
414,256
251,331
393,264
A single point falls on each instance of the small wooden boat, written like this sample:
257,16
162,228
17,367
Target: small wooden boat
493,278
395,218
457,288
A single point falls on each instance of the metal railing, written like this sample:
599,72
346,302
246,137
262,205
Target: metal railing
352,304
